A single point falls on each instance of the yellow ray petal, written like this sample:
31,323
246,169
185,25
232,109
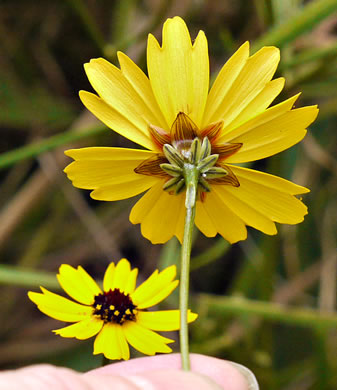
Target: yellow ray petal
58,307
120,191
271,181
122,92
265,117
112,280
121,123
95,174
141,84
163,293
112,343
145,340
178,71
246,211
81,330
106,168
159,214
156,288
274,136
142,208
102,168
270,195
165,320
224,81
119,278
252,79
208,227
130,285
118,155
78,284
224,221
108,277
259,103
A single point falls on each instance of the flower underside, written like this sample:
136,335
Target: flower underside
114,306
186,145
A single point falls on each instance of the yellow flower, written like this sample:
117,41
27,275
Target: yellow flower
165,112
117,315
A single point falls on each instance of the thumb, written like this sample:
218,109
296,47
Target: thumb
170,379
42,377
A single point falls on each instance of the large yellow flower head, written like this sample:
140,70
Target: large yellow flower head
174,116
117,314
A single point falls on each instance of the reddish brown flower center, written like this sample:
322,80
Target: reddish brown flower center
114,306
180,140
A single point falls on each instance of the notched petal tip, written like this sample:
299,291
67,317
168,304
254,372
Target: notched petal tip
34,296
152,43
301,190
172,270
81,93
68,153
65,267
315,112
275,51
200,40
192,316
93,61
124,260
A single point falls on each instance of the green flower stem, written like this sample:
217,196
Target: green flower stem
311,55
23,277
210,255
47,144
222,307
191,175
301,23
88,22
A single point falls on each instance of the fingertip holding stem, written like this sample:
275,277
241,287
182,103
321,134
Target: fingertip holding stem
172,379
220,374
250,377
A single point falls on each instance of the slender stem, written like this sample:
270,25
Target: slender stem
89,23
25,277
44,145
221,307
191,175
303,21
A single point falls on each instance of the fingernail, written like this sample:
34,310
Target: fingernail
250,377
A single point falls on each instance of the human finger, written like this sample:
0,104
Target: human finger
228,375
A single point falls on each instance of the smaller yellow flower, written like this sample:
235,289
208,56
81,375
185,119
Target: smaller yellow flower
117,315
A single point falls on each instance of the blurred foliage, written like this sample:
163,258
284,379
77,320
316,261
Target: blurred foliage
269,302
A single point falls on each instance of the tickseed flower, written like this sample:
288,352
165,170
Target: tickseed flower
174,116
117,314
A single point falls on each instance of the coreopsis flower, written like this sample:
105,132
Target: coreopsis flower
177,120
116,315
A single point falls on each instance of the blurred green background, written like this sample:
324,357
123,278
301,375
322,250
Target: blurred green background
268,302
